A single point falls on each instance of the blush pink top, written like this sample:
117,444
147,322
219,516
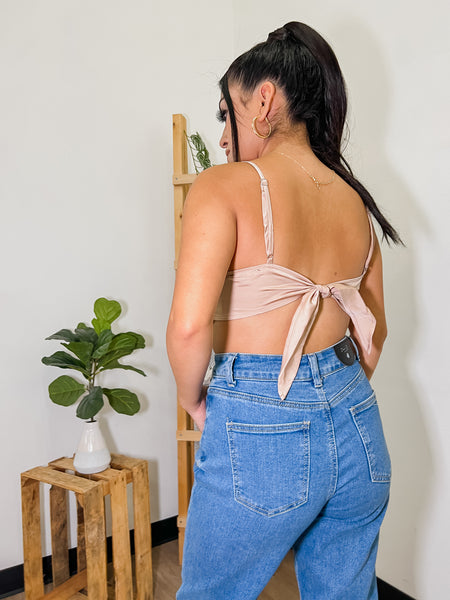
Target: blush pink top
259,289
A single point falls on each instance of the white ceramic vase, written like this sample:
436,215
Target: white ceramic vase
92,455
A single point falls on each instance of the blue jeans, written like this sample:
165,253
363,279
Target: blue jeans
310,473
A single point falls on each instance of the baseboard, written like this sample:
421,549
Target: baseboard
11,579
389,592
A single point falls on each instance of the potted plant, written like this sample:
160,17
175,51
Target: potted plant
91,351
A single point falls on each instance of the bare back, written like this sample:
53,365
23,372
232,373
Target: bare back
322,234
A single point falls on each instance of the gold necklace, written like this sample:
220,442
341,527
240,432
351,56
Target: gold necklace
316,181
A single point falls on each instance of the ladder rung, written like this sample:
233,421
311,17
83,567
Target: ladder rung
188,435
184,178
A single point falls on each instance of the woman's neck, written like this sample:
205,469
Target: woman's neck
294,140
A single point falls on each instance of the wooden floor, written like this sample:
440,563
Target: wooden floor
167,577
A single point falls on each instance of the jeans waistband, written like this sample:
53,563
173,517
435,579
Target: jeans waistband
235,365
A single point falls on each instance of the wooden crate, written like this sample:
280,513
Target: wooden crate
90,491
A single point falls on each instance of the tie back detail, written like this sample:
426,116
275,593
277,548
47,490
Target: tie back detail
268,286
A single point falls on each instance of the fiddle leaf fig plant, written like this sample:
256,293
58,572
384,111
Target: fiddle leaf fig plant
92,350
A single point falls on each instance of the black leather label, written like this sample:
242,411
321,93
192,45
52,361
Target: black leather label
345,352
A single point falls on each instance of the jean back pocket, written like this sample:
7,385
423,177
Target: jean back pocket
270,465
366,417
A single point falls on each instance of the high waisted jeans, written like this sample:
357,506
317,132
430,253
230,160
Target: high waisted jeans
310,473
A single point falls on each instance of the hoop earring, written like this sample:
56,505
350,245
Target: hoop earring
256,132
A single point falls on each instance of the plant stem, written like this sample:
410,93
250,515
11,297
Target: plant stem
93,374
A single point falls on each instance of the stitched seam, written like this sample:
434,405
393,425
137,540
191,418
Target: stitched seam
232,461
349,387
304,428
263,400
376,476
334,458
268,428
365,404
262,377
337,370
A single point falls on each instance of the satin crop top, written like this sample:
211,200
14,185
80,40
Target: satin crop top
261,288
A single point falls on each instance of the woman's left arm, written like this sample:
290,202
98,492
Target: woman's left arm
207,246
371,291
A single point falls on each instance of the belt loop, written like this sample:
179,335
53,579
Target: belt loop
229,374
314,366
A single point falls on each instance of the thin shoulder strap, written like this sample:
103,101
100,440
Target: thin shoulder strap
266,213
369,255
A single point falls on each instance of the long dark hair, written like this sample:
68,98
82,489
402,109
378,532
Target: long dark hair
299,60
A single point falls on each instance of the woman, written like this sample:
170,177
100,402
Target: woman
278,260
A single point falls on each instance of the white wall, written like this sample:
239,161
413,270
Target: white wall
86,97
87,92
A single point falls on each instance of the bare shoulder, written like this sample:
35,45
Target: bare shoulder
212,196
221,182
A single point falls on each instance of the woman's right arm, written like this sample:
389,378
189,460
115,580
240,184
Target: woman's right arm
207,246
371,291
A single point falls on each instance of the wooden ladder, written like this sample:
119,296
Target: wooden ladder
186,435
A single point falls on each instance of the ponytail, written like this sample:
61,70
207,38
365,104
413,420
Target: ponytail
303,64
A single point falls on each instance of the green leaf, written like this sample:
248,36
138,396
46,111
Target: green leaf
83,350
124,342
100,352
107,310
122,401
65,390
117,365
121,345
101,325
63,360
110,357
201,156
87,334
140,341
105,337
104,340
81,326
91,404
63,334
127,341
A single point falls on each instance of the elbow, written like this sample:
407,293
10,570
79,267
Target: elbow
185,330
378,339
